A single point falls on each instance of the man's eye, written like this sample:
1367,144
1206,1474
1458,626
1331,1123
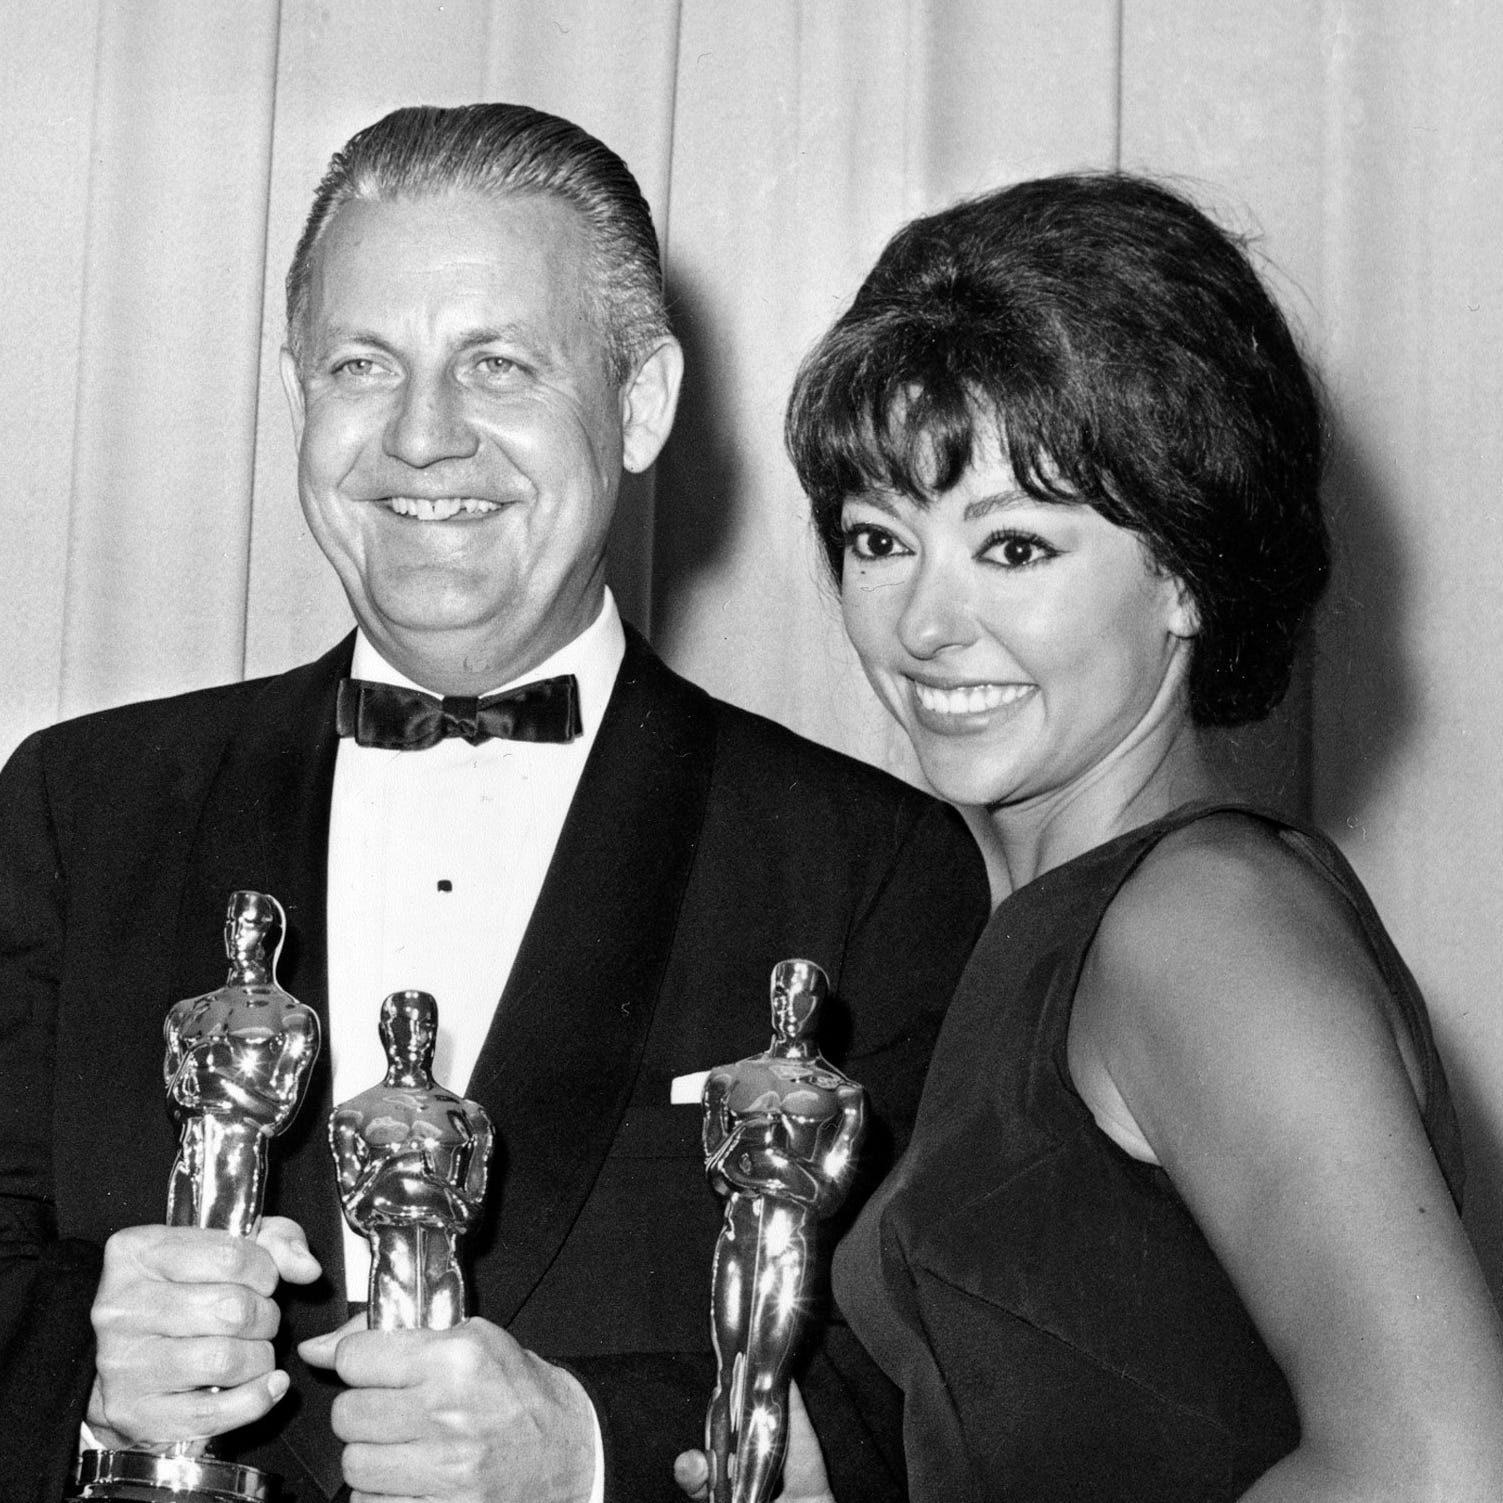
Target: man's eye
866,541
357,367
497,365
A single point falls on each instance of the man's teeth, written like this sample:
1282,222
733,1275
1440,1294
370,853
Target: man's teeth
441,508
968,699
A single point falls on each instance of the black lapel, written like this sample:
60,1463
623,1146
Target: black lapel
558,1065
265,826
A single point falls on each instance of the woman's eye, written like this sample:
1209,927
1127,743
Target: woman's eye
1017,550
866,541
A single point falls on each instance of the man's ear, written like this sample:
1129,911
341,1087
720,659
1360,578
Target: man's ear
648,401
292,384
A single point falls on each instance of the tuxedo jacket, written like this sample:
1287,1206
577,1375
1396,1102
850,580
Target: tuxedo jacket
703,845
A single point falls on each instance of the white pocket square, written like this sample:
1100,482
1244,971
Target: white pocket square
688,1090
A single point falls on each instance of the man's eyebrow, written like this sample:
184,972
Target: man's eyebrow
519,334
512,333
332,335
525,339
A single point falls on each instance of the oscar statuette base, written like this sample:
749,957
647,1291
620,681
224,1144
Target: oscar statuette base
145,1477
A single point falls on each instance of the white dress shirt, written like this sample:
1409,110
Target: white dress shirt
436,860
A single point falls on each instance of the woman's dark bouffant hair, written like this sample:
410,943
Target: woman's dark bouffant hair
1131,359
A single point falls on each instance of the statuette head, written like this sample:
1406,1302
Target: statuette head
798,989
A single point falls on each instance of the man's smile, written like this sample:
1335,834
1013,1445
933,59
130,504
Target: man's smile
439,508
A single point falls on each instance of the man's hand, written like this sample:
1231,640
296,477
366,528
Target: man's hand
183,1321
804,1479
465,1415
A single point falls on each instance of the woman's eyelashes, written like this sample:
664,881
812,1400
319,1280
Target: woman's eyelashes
1012,549
865,540
1009,548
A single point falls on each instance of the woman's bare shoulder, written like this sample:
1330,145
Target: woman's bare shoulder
1226,955
1226,903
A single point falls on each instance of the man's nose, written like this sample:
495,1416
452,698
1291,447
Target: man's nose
938,613
429,424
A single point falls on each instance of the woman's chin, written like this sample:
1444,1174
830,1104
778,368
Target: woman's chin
970,783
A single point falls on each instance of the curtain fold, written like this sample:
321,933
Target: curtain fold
47,119
1407,702
165,411
157,160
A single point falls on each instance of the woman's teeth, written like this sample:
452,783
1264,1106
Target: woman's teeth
968,699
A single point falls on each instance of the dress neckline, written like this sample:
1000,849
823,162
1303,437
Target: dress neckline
1185,814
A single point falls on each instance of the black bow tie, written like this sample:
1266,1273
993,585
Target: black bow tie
394,718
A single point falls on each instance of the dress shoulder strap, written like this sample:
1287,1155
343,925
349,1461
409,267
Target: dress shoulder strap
1318,851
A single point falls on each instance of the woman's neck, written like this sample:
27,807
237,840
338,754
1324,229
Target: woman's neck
1138,784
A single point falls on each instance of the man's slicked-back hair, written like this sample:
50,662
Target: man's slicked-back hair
500,150
1129,357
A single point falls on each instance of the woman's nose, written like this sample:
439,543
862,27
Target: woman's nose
937,614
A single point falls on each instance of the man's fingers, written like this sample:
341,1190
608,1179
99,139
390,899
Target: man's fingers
150,1414
400,1359
377,1416
462,1413
692,1473
423,1470
208,1412
319,1351
803,1468
183,1364
154,1308
284,1240
184,1320
188,1255
804,1479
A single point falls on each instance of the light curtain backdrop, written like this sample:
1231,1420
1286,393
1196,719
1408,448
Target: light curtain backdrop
157,159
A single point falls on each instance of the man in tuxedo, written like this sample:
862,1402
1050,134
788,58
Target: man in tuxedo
493,790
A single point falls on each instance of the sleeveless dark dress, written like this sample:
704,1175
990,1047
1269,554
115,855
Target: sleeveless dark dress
1058,1325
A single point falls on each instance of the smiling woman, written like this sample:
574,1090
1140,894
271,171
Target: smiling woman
1179,1218
1021,644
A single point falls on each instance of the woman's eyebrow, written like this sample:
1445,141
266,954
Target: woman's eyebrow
984,506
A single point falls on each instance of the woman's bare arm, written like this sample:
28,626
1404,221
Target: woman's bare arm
1232,1026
